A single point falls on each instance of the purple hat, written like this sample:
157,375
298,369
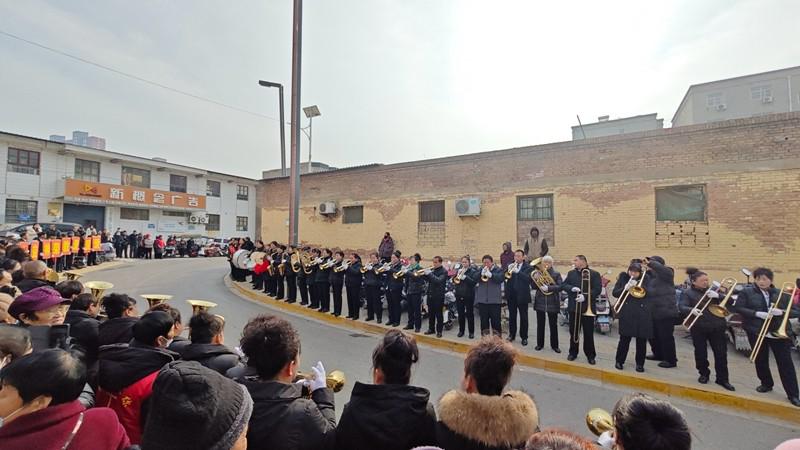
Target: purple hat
34,300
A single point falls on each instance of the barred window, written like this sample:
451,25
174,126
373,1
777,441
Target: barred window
134,214
21,211
241,223
213,222
681,203
353,214
23,161
535,207
432,211
242,193
87,170
212,188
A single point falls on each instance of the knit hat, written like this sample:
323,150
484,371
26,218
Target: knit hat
195,408
37,299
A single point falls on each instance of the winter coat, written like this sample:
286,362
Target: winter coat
414,284
518,288
353,276
549,303
49,429
486,422
214,356
506,258
573,280
659,283
706,321
322,275
336,278
26,284
466,288
178,344
535,249
394,283
371,278
386,248
751,301
283,418
437,281
636,317
489,292
116,331
386,417
125,381
84,330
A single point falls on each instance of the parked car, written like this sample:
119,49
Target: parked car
15,231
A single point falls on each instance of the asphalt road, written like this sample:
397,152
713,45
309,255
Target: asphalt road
562,400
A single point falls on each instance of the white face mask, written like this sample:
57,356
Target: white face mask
169,342
5,360
3,419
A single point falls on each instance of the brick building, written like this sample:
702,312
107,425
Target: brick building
719,196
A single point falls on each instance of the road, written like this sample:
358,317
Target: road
562,400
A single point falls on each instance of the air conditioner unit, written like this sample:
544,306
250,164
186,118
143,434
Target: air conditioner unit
722,107
204,219
766,99
327,208
194,219
468,206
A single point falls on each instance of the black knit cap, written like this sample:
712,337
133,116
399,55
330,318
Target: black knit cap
193,407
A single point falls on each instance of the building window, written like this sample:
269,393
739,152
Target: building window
134,214
714,100
177,183
212,188
431,211
213,222
241,223
242,192
23,161
183,214
681,203
535,207
353,214
131,176
21,211
87,170
762,93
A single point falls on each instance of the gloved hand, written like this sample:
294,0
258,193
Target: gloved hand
320,377
631,283
606,440
762,315
544,288
580,298
576,289
777,312
428,271
712,294
696,312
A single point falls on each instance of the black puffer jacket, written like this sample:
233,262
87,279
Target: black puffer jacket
214,356
386,417
26,284
437,281
518,288
636,317
116,331
707,321
284,419
84,330
121,365
466,288
414,284
549,303
660,285
352,276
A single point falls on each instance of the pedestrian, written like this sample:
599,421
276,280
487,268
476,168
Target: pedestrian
535,247
148,243
158,247
84,328
660,287
207,344
122,315
133,244
386,248
34,275
507,256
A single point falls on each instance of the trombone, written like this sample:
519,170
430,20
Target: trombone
637,291
541,276
586,291
781,333
728,286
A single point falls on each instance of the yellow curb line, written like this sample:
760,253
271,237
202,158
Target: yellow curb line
739,403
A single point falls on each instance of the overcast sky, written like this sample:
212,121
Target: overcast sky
395,80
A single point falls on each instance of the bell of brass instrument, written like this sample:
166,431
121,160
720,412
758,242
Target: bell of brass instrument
485,278
383,268
155,299
459,274
72,276
510,271
199,306
401,273
420,272
782,331
335,380
540,275
366,267
599,421
720,310
97,288
295,262
52,276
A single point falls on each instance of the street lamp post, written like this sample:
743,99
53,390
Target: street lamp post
283,134
310,112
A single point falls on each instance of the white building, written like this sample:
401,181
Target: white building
45,181
611,127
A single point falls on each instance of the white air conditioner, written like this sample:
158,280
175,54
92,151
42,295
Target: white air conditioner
722,107
327,208
470,206
766,99
198,218
204,219
194,219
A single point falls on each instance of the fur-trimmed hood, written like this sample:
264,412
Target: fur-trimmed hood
503,421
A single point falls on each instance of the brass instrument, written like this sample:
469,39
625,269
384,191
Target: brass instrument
402,272
599,421
330,263
307,263
383,268
155,299
727,285
282,268
97,289
720,310
510,271
586,291
637,292
541,276
485,278
461,271
52,276
335,380
781,333
295,262
420,272
342,266
199,306
366,267
72,276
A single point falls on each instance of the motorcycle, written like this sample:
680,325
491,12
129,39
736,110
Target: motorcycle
604,319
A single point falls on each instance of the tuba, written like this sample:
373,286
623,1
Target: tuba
199,306
295,262
156,299
540,275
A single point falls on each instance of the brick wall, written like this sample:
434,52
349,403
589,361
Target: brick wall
603,198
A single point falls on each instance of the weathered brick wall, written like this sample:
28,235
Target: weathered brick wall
604,198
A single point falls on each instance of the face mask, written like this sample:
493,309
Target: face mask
3,419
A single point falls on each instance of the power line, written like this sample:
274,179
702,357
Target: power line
136,77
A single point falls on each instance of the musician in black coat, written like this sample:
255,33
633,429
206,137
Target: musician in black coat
577,306
311,278
336,280
414,287
322,281
352,284
635,318
660,287
280,290
547,304
488,296
436,276
707,329
518,297
753,304
302,281
373,281
467,277
291,277
394,294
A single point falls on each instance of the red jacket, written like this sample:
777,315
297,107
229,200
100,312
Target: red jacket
261,268
127,403
49,429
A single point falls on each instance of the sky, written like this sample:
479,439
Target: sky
395,80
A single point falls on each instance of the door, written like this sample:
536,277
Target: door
85,215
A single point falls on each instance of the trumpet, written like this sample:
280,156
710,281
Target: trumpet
342,267
420,272
402,272
331,262
460,274
335,380
383,268
366,267
728,284
781,333
541,275
156,299
510,271
484,276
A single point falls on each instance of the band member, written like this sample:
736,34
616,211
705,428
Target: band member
635,318
753,304
279,261
467,277
577,307
290,275
372,284
414,287
518,297
302,281
547,303
487,296
337,281
660,286
352,283
270,284
535,246
394,295
437,279
322,281
311,279
707,330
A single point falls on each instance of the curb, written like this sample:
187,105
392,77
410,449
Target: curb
738,403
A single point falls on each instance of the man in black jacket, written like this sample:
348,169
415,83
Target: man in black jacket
465,280
518,296
394,293
437,280
303,279
336,280
122,314
575,288
291,277
207,343
34,275
660,286
753,304
83,325
283,415
547,304
352,284
414,287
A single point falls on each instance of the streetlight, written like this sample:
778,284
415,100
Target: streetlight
311,112
283,138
